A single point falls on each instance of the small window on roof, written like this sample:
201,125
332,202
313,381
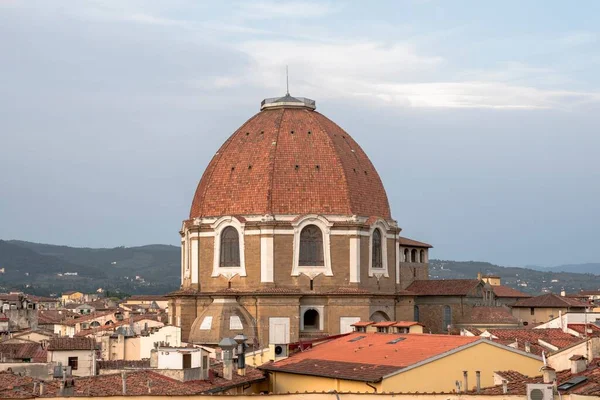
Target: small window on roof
396,340
356,339
572,382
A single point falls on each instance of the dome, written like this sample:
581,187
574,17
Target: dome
290,159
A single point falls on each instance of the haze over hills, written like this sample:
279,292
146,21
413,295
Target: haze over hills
587,268
44,269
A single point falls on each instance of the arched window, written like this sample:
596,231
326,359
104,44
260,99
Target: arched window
311,320
422,256
406,255
379,316
311,246
376,257
95,324
413,255
230,248
416,314
447,318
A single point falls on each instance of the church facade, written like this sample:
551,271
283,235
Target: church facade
290,236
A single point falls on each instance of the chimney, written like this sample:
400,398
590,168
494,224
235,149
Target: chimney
479,276
478,380
41,388
227,345
578,364
527,347
563,293
466,378
548,374
504,386
124,380
35,386
154,358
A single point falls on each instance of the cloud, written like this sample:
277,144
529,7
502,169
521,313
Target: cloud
574,39
279,9
398,75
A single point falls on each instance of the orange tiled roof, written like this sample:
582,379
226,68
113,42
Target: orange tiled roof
363,323
404,241
66,343
406,324
553,336
589,387
137,384
549,300
290,161
511,376
384,324
506,291
369,356
457,287
33,351
592,329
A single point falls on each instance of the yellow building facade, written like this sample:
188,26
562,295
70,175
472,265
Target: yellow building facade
437,374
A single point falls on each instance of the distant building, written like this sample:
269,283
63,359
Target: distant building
448,304
71,297
77,353
540,309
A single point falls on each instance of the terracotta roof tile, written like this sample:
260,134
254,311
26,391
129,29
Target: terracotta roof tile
511,376
290,161
364,353
592,329
589,387
549,300
506,291
457,287
363,323
123,364
137,384
384,324
26,350
404,241
553,336
75,343
443,287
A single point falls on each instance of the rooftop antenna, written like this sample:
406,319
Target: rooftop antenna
287,81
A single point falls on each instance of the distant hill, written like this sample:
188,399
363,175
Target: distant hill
44,269
525,279
35,268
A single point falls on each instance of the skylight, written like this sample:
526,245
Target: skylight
396,340
356,339
572,382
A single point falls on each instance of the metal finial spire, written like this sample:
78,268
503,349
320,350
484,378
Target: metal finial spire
287,81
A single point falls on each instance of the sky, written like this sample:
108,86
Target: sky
482,118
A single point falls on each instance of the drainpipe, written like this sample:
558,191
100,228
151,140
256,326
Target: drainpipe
371,386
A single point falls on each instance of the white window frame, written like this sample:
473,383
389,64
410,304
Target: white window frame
383,228
218,227
312,270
